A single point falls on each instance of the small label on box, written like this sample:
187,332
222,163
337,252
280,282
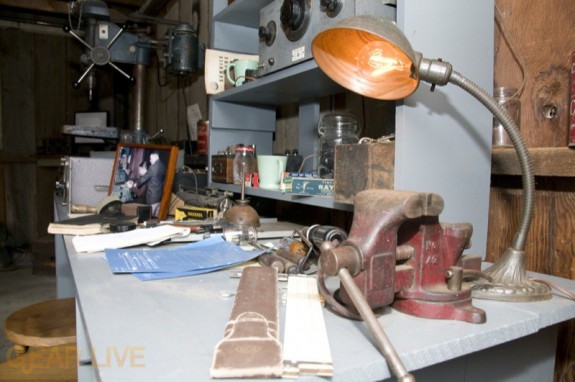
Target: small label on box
194,213
312,186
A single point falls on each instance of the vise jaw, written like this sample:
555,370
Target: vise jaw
400,255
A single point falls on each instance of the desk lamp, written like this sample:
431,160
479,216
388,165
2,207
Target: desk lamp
372,57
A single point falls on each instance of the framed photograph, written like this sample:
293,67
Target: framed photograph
144,174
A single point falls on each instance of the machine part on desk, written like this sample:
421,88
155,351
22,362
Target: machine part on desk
239,235
83,178
109,206
213,198
251,345
318,234
289,267
299,259
268,260
242,214
313,237
291,244
122,227
109,212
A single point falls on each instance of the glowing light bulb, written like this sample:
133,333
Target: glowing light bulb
378,60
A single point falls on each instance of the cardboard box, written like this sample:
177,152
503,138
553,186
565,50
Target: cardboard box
223,169
287,179
312,186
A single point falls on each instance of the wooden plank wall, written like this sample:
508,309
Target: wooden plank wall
37,70
544,36
166,105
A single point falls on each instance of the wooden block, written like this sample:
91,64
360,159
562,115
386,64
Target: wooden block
361,167
251,347
49,323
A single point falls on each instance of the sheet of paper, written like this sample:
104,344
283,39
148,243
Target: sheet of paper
215,68
205,256
97,243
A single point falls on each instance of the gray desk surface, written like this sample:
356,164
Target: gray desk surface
167,329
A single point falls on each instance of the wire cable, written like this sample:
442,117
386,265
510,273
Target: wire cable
514,52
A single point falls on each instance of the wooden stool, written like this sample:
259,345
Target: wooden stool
55,363
48,323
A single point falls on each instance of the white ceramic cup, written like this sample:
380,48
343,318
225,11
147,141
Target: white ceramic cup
270,169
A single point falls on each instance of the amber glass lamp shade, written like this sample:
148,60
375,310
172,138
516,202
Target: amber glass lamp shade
369,56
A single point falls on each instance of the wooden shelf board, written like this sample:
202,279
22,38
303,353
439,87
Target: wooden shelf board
547,161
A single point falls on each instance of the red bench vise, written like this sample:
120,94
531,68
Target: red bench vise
400,255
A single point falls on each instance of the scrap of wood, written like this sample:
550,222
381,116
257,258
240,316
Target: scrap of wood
251,347
306,345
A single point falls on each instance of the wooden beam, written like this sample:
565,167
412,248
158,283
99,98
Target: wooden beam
547,161
38,5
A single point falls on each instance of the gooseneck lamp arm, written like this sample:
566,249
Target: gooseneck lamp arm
508,274
440,73
518,143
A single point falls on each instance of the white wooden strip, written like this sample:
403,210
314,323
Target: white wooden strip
306,345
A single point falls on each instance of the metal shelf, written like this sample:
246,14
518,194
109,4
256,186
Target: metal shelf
298,83
319,201
242,12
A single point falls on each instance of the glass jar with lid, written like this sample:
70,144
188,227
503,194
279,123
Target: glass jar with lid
244,163
334,129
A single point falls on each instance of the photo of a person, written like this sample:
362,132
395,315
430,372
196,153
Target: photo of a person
144,174
139,193
153,178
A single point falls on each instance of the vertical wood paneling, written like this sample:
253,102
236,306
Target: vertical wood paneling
544,35
18,123
563,255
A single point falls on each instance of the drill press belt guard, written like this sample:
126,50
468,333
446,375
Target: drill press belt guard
400,255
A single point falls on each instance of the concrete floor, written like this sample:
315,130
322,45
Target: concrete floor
20,288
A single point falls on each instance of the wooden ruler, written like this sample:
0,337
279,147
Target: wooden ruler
306,345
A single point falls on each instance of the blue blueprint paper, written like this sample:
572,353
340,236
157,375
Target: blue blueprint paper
205,256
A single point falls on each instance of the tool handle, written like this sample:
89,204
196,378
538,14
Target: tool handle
268,260
296,258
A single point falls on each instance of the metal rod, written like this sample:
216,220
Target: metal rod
79,38
85,73
113,40
139,71
382,342
119,70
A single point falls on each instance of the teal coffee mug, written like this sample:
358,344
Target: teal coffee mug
239,68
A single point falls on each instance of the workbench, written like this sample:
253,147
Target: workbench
166,330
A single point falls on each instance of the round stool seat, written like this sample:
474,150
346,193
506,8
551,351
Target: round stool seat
48,323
